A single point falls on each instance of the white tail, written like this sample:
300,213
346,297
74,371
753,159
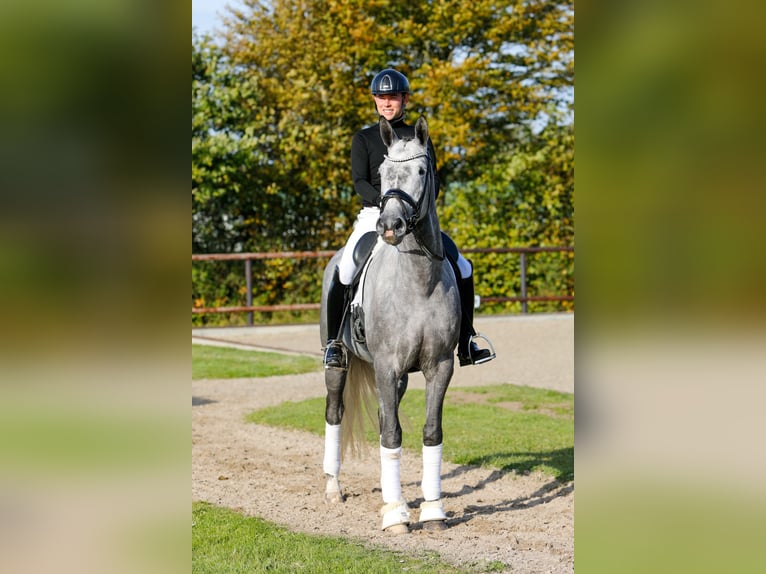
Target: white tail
360,401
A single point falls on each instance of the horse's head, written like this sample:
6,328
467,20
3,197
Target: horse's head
404,177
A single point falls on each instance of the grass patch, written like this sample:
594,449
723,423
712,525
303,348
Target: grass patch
82,441
661,522
210,362
508,427
226,542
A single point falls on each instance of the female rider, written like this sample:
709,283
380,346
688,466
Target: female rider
390,92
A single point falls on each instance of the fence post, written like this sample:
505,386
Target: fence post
523,282
249,283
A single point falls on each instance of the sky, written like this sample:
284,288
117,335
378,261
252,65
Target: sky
206,14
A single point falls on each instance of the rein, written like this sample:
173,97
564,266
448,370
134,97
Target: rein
417,206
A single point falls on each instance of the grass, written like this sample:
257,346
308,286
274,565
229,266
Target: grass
86,440
210,362
670,522
226,542
507,427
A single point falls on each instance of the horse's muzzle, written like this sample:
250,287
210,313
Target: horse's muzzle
392,228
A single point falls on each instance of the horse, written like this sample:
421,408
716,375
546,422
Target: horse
410,306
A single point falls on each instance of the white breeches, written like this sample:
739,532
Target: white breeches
464,266
366,220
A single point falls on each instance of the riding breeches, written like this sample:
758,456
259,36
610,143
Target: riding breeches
366,220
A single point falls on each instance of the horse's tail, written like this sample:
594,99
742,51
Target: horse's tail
360,402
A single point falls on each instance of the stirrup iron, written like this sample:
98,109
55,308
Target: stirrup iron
492,353
343,360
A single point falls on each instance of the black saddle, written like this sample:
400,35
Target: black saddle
362,252
450,249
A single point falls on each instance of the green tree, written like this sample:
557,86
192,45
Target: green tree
524,198
276,101
483,72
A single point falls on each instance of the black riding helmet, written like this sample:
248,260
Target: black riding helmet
389,81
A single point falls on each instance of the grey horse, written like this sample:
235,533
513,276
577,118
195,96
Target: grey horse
410,307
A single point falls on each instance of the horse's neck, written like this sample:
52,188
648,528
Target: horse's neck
429,236
413,261
428,232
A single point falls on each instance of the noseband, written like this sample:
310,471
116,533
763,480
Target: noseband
404,197
416,206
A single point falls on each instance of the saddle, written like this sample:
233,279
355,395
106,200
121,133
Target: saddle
362,254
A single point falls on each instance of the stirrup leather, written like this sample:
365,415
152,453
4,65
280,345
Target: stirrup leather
491,349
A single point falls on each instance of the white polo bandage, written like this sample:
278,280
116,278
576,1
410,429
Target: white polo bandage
432,467
390,480
331,463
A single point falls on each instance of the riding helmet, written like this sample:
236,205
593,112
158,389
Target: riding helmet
389,81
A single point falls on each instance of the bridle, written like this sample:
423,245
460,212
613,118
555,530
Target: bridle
417,207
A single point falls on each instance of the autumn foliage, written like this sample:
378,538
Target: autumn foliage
277,96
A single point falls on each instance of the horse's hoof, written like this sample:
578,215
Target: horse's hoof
432,511
398,529
435,525
332,493
333,498
396,517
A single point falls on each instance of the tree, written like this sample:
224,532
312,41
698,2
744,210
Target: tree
483,72
276,102
525,197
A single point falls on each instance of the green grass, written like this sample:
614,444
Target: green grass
507,427
85,440
225,363
668,522
226,542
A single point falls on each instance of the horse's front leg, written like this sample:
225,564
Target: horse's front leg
335,381
432,510
395,513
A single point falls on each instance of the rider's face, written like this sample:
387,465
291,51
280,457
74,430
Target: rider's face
390,105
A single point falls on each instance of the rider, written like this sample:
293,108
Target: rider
390,92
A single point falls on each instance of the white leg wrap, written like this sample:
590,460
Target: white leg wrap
432,510
394,513
331,463
390,479
432,467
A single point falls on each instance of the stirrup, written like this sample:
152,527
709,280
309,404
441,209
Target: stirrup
469,360
342,351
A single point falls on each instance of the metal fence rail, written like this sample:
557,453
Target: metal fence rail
249,308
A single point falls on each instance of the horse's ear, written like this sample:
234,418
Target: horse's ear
421,130
387,133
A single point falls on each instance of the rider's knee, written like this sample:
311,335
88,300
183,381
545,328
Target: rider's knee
346,271
464,266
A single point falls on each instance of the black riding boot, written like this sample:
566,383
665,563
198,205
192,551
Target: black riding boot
334,356
468,352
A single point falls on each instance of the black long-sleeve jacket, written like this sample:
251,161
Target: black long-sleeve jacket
367,151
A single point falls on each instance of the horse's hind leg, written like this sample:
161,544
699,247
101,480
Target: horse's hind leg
335,381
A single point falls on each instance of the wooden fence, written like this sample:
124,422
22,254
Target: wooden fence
248,258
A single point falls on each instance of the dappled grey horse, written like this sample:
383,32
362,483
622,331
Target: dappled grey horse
410,307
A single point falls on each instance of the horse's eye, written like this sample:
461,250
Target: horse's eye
422,171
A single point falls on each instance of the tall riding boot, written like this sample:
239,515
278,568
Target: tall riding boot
468,352
334,356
